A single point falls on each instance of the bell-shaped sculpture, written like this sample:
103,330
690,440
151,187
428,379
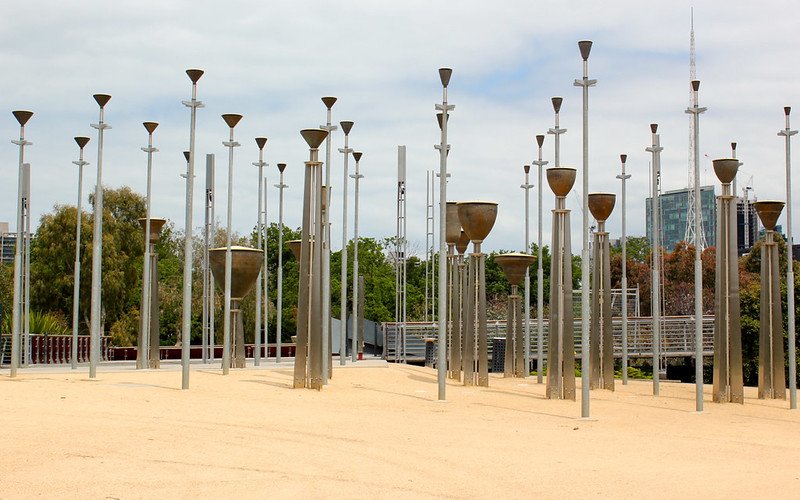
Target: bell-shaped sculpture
728,374
561,347
294,246
245,265
601,336
771,376
514,266
477,218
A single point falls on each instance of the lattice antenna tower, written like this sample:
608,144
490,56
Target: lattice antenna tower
689,235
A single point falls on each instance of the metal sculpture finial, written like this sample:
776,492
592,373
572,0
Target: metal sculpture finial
314,136
526,168
557,103
585,47
439,119
281,167
261,142
82,141
601,205
346,126
231,119
695,85
769,211
540,140
357,155
561,180
102,99
150,126
733,146
329,101
654,127
787,110
22,116
725,169
186,155
623,158
194,74
444,76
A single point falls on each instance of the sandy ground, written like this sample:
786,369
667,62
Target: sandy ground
377,431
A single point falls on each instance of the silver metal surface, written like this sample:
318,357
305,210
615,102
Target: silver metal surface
208,277
346,151
76,283
357,177
186,311
279,320
97,246
601,346
656,149
787,133
260,228
624,242
585,47
19,262
515,267
443,147
695,110
540,359
142,353
231,120
327,360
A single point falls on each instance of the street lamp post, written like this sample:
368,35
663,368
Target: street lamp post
539,268
326,247
279,320
788,133
624,242
527,324
142,351
655,217
231,120
356,176
193,104
261,142
22,117
346,127
97,243
76,281
585,47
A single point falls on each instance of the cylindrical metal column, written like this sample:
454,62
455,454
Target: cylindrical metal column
76,283
624,242
788,133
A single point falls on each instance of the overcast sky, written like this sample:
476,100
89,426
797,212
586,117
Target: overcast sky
272,61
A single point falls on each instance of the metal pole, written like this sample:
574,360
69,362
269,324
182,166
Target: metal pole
266,272
695,111
208,278
26,265
354,346
655,306
585,47
527,327
97,243
76,280
788,133
623,177
281,186
326,248
194,75
231,120
261,142
443,147
346,150
539,269
144,330
22,117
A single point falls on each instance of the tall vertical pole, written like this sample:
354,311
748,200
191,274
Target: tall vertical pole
655,217
231,120
279,320
208,277
696,111
357,176
326,247
527,324
788,133
539,269
97,243
262,275
22,117
265,269
26,265
76,280
194,75
346,150
585,47
144,330
624,240
443,147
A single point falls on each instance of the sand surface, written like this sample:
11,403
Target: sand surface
377,431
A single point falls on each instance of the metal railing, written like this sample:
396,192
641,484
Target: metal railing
56,349
677,337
